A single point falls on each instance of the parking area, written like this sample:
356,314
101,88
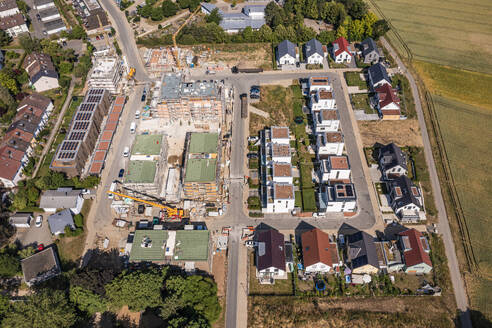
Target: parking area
34,236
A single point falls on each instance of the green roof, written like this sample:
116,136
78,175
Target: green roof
204,143
140,172
200,170
147,144
154,253
191,245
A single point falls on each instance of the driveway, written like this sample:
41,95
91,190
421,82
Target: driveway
34,236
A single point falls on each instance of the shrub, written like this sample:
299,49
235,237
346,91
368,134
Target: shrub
78,220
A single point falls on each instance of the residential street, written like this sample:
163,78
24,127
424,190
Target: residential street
456,279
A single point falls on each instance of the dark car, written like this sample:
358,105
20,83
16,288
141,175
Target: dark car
38,17
121,173
141,209
252,155
144,95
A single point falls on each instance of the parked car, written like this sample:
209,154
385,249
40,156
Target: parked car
39,221
121,173
141,209
250,243
252,155
86,191
38,17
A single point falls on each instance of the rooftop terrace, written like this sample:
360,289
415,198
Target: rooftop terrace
147,144
140,172
200,170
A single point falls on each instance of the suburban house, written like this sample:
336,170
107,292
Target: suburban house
41,266
21,220
415,249
319,83
8,8
389,256
10,171
41,71
321,99
23,129
43,4
313,52
54,26
406,200
386,101
11,153
37,105
277,191
378,75
250,16
334,169
330,143
392,161
360,250
342,51
49,14
327,120
286,53
370,51
319,253
337,198
14,25
60,220
270,256
61,198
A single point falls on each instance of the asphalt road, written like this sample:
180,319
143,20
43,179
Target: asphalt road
443,225
126,39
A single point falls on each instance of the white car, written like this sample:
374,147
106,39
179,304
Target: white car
86,191
250,243
39,221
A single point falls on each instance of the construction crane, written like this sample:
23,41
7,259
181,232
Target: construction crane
172,212
175,49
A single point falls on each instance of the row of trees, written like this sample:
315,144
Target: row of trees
179,300
166,9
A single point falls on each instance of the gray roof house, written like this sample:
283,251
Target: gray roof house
251,15
313,52
62,198
378,75
286,53
41,266
21,220
270,254
406,200
370,51
60,220
392,161
361,254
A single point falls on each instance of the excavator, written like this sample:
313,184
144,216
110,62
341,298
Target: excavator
171,212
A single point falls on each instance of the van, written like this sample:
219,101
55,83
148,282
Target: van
126,151
113,189
133,126
137,114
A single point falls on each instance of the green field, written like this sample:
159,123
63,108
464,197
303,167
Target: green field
455,33
468,140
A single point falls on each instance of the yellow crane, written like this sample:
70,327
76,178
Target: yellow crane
172,212
175,49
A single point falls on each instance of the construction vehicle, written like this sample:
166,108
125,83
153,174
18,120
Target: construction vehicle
171,212
131,73
175,34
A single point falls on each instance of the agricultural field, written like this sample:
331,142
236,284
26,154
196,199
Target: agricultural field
453,33
467,138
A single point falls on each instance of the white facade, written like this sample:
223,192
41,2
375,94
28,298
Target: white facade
315,58
17,30
50,18
45,83
75,210
15,180
286,60
9,12
319,267
335,200
322,99
271,272
56,30
342,57
45,6
319,83
106,74
329,146
327,173
326,121
278,200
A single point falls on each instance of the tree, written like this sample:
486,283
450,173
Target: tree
77,32
65,68
333,13
304,33
169,8
138,290
8,81
28,44
4,306
87,301
311,9
156,14
9,265
145,11
26,252
57,179
355,8
274,15
214,17
380,28
341,32
5,38
356,30
93,280
326,37
42,310
266,33
248,34
22,6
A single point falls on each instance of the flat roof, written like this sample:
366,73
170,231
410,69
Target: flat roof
200,170
147,144
156,239
191,245
96,167
140,172
204,143
100,155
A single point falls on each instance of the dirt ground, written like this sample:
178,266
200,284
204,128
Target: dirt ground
125,314
404,132
219,272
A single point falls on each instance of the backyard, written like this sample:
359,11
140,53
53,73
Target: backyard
281,286
361,101
354,80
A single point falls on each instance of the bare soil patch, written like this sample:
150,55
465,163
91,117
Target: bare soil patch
404,132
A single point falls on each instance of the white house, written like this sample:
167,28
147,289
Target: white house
330,143
415,249
49,14
313,52
319,253
326,120
282,173
65,198
338,198
280,135
14,25
8,8
341,51
10,171
392,161
255,12
378,75
406,200
319,83
386,101
334,169
41,71
286,53
270,256
37,105
322,99
278,198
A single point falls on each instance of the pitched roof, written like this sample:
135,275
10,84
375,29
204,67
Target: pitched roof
9,168
387,95
316,248
11,21
59,198
312,47
7,5
53,25
390,156
34,103
29,125
16,143
38,65
378,72
408,191
41,265
341,45
42,2
361,250
368,46
416,254
60,220
270,251
11,152
286,47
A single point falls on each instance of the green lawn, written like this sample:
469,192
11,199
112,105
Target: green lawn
405,93
308,200
298,202
281,286
353,80
361,101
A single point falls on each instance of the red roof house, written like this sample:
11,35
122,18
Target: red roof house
319,254
341,50
415,250
387,102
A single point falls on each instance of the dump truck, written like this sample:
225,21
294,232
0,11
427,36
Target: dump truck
241,68
244,105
